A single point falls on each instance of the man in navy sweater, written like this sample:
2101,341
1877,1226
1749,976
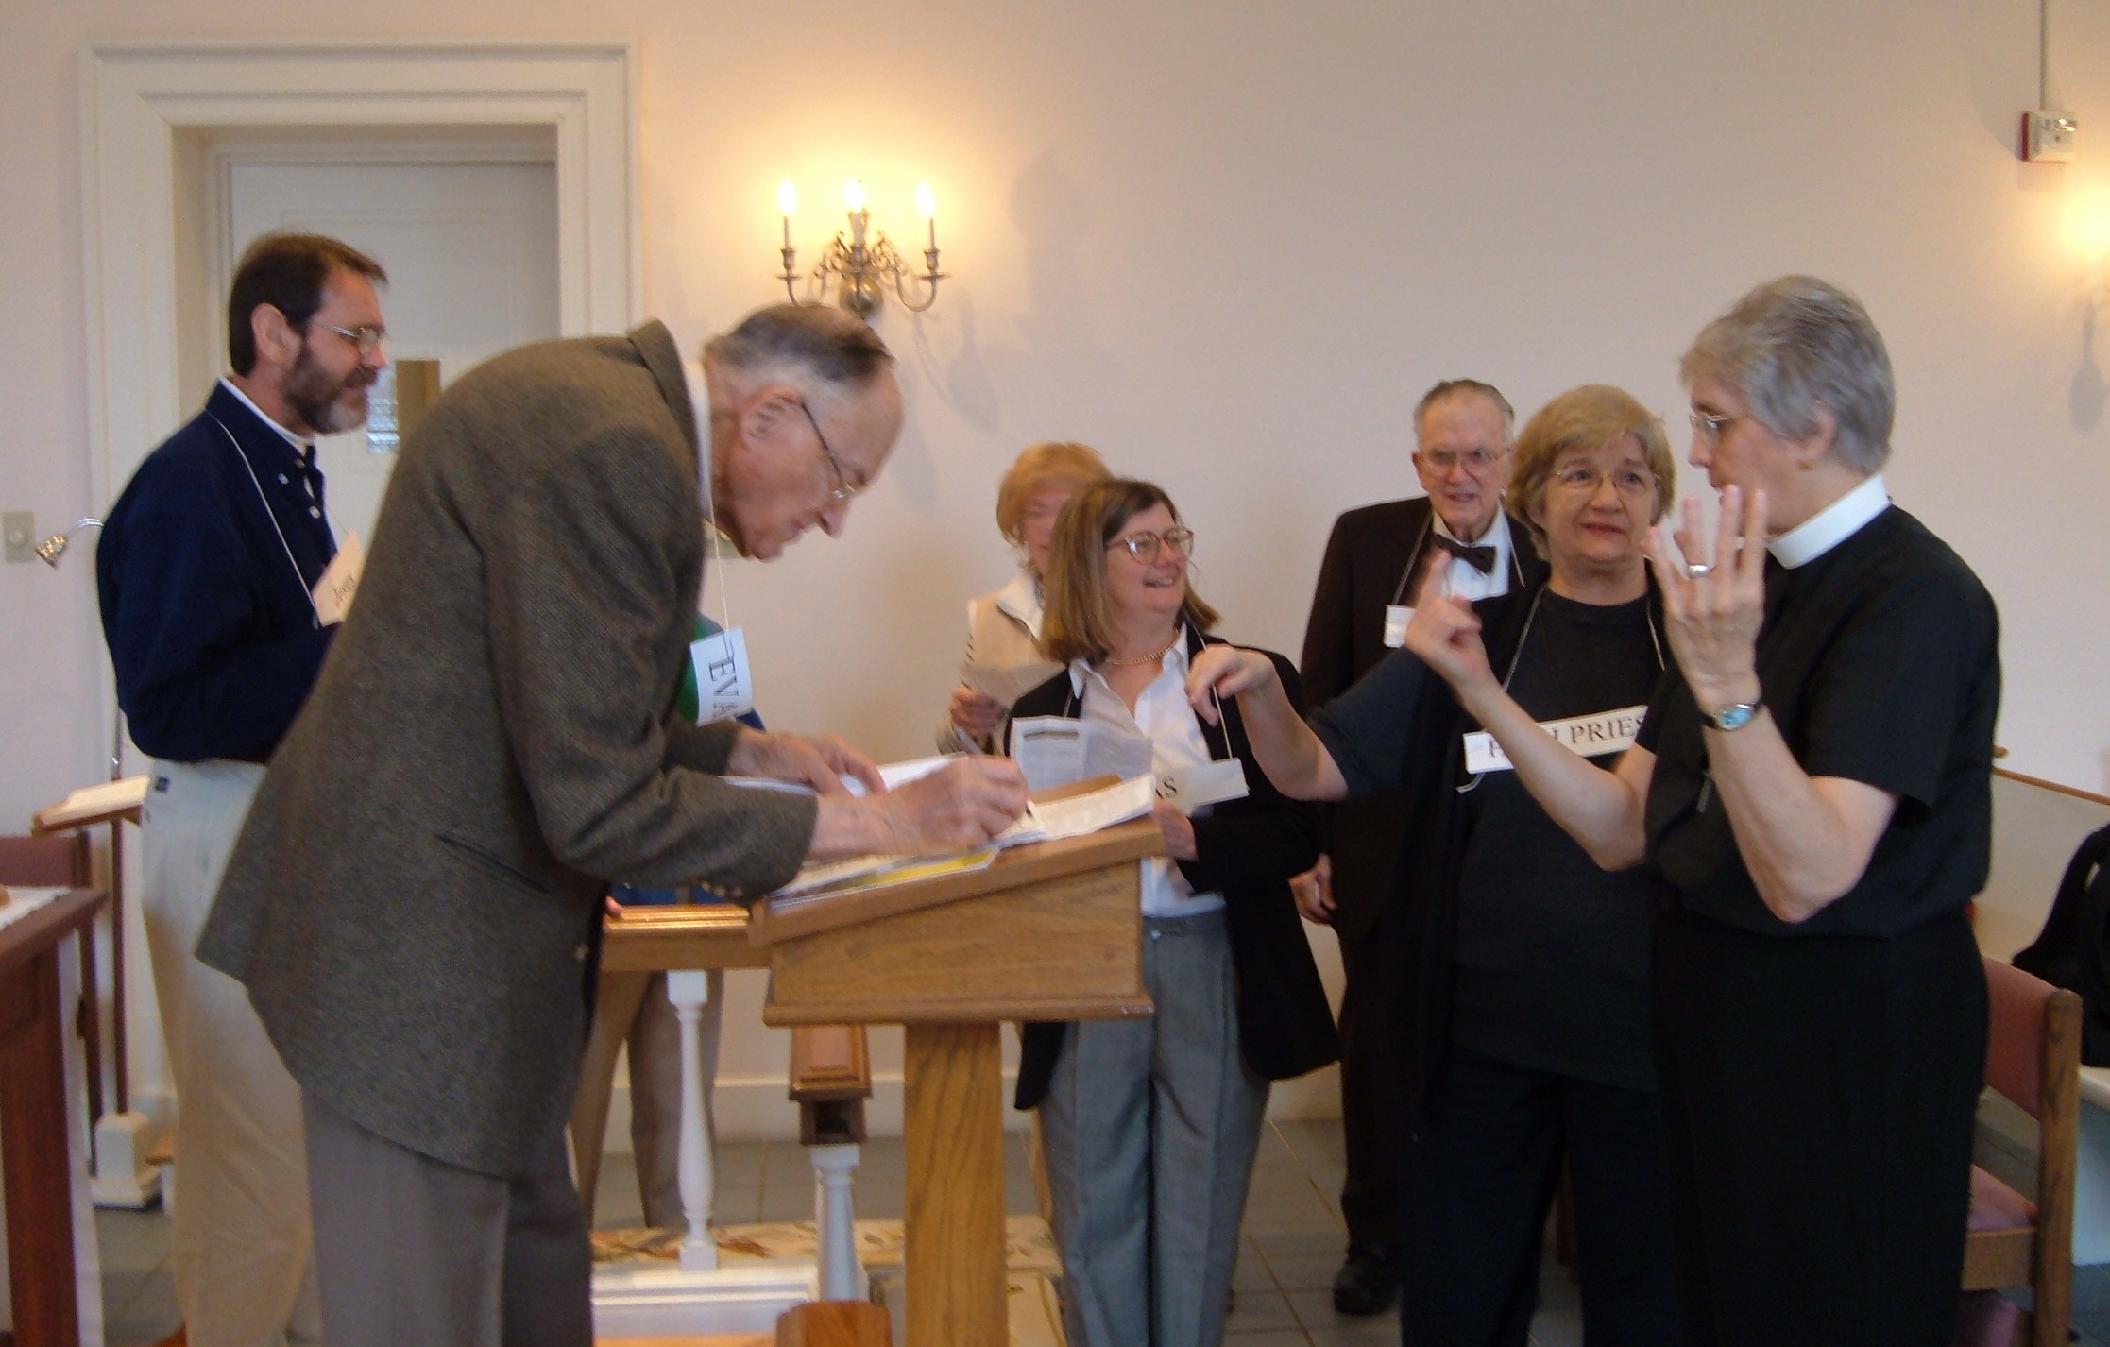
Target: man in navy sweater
221,586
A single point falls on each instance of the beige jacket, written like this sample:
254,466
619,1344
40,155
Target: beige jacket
1003,632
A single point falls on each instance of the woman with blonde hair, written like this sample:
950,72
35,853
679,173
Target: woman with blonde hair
1530,963
1003,627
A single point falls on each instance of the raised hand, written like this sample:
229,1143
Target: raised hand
1715,600
1221,671
1445,634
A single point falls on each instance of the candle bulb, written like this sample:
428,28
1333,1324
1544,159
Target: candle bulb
854,200
787,206
928,204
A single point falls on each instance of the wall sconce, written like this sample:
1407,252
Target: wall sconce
859,268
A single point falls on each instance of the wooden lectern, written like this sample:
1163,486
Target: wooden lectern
1047,932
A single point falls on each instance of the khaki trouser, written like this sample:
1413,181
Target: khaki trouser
241,1249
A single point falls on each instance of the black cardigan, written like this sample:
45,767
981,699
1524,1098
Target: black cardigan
1246,850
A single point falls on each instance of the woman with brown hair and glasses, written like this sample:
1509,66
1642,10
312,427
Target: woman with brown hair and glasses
1150,1125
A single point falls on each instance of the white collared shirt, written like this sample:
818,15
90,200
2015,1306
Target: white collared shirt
290,438
700,409
1164,717
301,446
1466,581
1019,600
1832,525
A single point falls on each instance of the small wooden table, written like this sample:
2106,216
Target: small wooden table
39,1168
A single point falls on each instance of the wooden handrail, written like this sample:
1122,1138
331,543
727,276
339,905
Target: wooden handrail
2056,787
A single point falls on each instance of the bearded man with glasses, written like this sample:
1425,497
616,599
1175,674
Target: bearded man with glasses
1359,613
208,572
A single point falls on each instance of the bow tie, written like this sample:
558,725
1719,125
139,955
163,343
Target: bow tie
1481,557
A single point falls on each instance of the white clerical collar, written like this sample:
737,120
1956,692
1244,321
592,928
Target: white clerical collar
1832,525
290,438
700,411
1496,536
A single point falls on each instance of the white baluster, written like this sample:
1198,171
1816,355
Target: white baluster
835,1222
689,989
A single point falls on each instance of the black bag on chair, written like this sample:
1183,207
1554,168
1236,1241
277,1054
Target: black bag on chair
2073,949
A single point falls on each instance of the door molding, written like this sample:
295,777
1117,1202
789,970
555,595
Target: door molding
148,111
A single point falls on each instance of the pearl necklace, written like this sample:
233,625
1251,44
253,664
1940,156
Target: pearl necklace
1150,658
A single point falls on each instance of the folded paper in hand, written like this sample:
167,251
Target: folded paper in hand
1003,684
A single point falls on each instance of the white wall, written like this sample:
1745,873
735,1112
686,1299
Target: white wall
1229,244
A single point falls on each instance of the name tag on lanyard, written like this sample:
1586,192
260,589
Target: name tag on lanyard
333,593
1590,736
1205,783
725,685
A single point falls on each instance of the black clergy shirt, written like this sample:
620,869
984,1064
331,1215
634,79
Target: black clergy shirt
1879,660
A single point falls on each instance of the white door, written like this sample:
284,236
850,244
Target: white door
471,255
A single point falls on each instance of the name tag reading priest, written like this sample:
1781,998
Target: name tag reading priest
1591,736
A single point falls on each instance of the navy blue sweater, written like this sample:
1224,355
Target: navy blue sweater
205,592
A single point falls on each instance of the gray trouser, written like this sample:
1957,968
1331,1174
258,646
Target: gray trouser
413,1250
1150,1127
239,1242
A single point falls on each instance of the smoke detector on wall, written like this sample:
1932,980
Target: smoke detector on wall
2050,137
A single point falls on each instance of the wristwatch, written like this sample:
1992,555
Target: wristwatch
1734,716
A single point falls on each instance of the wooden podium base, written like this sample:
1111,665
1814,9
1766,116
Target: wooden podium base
1047,932
953,1119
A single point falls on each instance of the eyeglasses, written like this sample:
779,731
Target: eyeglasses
1709,425
1474,461
845,487
365,339
1148,546
1584,479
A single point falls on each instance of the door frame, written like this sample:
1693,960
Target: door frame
148,111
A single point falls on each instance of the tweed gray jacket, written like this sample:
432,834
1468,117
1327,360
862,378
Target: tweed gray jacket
415,900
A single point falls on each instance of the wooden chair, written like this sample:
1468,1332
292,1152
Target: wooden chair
62,861
48,861
2033,1059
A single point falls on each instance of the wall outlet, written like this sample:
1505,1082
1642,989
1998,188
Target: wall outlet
19,527
2050,137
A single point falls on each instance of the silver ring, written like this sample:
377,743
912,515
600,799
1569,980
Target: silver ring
1697,570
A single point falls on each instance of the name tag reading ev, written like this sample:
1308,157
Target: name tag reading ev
725,685
1590,736
1205,783
340,581
1397,616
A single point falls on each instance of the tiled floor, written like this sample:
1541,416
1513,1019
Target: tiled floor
1292,1241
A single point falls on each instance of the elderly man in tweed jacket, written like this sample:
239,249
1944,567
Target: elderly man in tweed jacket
415,900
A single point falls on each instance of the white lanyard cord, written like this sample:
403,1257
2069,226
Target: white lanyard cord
314,614
1518,654
710,512
1413,556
